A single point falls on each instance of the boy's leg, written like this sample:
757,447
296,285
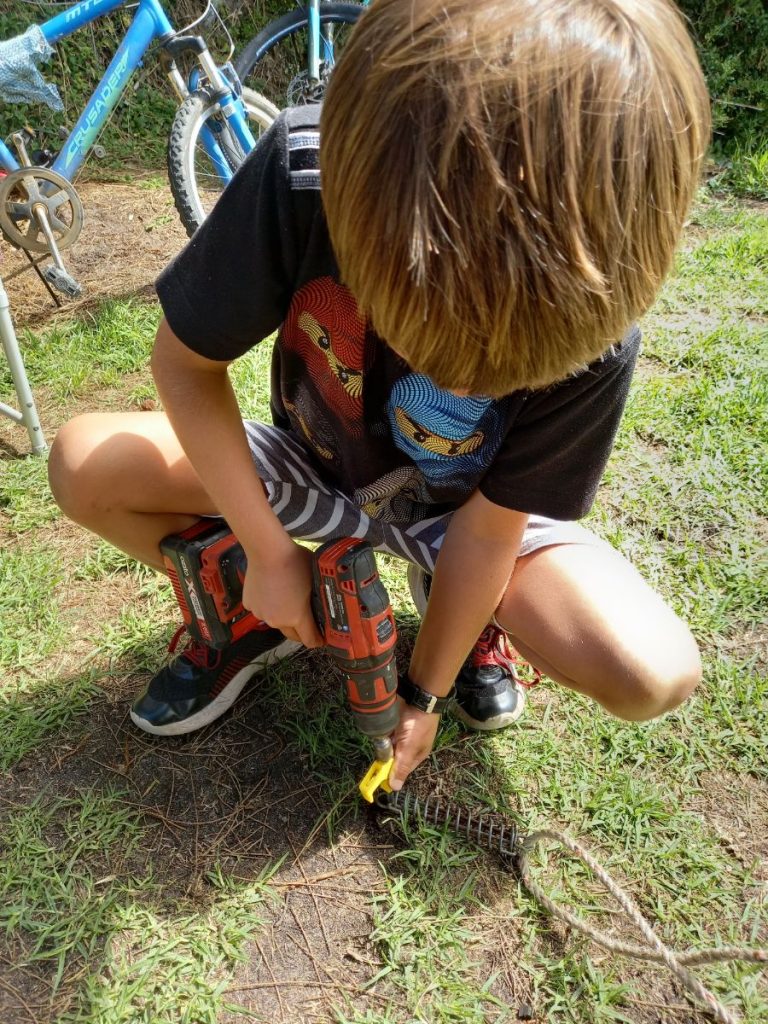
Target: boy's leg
125,477
586,618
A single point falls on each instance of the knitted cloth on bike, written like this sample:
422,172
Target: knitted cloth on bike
20,79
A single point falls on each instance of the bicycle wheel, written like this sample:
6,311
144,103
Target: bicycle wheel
275,61
195,182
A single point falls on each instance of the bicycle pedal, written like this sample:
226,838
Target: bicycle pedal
63,282
43,157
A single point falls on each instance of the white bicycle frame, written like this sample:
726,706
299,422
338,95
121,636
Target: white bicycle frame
27,414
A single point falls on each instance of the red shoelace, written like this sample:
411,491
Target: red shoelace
493,648
196,651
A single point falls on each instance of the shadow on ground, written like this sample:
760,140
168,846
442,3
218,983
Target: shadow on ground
257,788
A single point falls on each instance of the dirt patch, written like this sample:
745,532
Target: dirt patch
240,795
130,233
749,645
736,807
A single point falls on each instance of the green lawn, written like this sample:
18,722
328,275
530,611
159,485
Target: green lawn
233,876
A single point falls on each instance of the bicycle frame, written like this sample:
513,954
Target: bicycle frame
319,44
149,23
313,44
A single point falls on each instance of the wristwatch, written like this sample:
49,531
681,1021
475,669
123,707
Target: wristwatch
421,699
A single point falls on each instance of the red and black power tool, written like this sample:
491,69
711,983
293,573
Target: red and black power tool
352,611
207,566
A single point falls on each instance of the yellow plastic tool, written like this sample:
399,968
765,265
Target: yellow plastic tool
376,778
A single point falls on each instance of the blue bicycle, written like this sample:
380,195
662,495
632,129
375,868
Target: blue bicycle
290,60
215,127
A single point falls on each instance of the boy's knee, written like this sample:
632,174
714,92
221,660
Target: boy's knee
68,472
649,689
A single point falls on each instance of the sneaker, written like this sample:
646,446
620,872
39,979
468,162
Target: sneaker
489,693
200,684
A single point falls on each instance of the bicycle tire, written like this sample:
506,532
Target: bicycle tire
278,71
195,185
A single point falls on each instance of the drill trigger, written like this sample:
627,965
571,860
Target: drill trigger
375,778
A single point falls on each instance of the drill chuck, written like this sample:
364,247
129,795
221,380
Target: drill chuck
382,747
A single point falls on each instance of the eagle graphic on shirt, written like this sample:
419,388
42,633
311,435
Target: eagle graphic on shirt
398,496
312,423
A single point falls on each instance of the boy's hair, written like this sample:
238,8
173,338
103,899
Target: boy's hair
505,181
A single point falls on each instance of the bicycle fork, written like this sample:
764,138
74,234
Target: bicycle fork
220,90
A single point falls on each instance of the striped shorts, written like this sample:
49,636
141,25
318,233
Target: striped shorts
311,509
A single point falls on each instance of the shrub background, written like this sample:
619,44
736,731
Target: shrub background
731,35
732,40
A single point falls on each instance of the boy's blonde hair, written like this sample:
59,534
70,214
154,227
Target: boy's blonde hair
505,181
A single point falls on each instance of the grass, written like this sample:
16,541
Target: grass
29,620
71,898
745,170
94,352
232,876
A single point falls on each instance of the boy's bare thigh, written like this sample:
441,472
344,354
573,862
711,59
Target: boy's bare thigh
127,460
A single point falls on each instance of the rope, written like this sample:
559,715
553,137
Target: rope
654,950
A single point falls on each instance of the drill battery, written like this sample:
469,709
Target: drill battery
206,565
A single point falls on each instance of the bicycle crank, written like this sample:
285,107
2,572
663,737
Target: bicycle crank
40,211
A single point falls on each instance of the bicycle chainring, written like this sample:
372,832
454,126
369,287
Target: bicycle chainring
29,187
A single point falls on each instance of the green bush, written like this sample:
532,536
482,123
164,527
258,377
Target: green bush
744,172
732,40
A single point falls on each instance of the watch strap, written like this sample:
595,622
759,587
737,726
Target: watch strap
422,699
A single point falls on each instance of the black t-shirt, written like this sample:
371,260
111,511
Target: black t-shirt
401,447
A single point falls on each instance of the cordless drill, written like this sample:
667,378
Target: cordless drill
352,611
207,565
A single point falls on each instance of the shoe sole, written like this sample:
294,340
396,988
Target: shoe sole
416,586
492,724
225,699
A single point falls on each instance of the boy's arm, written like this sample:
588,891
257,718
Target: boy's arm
198,398
474,568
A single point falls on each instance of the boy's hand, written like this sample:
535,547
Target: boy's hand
277,590
413,740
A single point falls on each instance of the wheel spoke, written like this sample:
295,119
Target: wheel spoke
33,232
29,183
281,73
294,44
